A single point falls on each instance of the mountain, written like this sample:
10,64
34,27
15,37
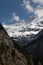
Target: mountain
25,28
9,54
22,32
36,45
28,37
23,41
22,28
34,48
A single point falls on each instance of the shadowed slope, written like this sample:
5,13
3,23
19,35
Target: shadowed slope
35,47
9,55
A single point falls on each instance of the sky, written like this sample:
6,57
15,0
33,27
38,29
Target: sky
14,14
8,7
13,10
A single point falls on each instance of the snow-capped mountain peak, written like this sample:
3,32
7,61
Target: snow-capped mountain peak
25,28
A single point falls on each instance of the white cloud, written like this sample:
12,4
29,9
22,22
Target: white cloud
38,1
15,17
26,4
39,12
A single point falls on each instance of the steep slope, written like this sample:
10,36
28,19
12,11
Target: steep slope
9,55
36,46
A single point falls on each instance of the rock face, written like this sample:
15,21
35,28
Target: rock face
36,46
9,55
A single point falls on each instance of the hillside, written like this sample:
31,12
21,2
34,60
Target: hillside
8,54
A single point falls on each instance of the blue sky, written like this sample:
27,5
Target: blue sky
23,9
7,7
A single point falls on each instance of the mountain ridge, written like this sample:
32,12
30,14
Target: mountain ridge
36,45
